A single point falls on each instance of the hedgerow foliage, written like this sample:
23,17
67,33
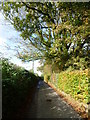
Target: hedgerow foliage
16,84
74,83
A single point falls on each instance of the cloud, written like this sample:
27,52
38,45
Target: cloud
2,41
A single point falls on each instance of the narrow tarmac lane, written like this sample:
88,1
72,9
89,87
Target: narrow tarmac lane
47,104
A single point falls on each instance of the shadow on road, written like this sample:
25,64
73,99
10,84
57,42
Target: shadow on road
47,104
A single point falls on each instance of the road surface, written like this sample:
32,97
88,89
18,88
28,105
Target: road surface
48,104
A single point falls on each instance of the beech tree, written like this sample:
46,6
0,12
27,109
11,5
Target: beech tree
60,31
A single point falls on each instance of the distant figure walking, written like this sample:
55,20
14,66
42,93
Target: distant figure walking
39,83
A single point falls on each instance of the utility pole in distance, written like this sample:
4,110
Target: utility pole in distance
33,66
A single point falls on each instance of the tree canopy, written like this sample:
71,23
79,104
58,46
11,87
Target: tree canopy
59,31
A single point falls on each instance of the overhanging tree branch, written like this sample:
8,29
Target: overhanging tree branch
43,13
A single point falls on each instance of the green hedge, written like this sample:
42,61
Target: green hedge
74,83
16,85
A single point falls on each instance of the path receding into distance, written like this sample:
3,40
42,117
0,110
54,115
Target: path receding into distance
48,104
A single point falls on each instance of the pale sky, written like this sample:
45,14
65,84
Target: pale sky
9,37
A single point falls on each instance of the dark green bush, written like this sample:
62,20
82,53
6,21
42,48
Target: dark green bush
16,84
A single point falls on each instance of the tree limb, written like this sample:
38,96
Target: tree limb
39,11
